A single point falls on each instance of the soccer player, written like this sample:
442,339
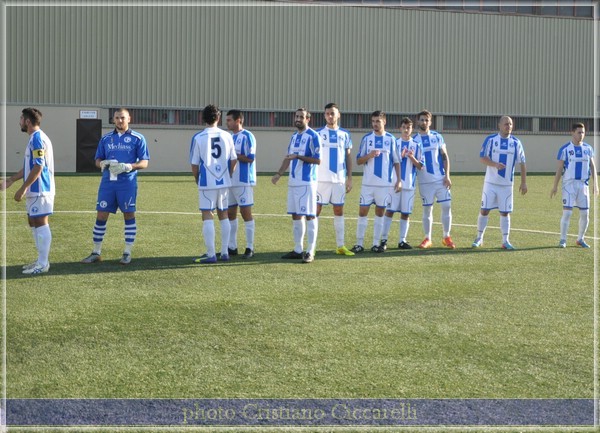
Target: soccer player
213,160
38,187
434,179
500,153
120,154
335,172
378,154
304,155
243,181
411,160
575,165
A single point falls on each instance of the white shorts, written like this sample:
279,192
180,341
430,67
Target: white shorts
39,206
402,201
497,197
211,199
381,196
434,190
576,194
328,192
302,200
241,196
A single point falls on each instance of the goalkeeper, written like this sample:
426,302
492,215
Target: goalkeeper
121,153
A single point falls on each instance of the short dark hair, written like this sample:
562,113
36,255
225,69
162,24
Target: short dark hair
425,113
33,114
236,114
577,125
332,105
406,120
305,110
378,113
210,114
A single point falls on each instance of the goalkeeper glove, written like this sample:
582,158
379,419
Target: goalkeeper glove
106,163
120,167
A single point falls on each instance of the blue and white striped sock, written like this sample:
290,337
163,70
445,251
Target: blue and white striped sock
98,235
130,233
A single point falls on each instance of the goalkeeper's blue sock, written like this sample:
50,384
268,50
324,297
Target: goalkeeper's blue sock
98,235
130,232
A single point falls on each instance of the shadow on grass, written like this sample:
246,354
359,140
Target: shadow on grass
272,257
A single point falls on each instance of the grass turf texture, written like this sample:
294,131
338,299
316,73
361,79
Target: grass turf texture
467,323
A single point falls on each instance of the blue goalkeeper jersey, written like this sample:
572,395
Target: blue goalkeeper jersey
128,147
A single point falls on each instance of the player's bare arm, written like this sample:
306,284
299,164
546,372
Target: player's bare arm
398,185
232,166
523,186
446,161
284,166
348,170
244,158
559,170
8,182
196,172
35,172
594,176
372,154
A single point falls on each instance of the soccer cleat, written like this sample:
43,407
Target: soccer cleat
404,246
357,249
383,244
507,246
377,249
343,251
562,243
37,269
92,258
582,243
477,243
292,255
426,244
232,251
307,257
30,265
224,257
248,254
447,242
126,259
205,260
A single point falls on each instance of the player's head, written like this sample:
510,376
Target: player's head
211,114
121,119
578,132
30,118
406,126
378,121
424,118
505,125
332,114
234,120
301,118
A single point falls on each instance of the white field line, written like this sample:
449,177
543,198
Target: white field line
322,217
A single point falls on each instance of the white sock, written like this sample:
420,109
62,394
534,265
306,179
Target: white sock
249,225
584,220
505,227
299,228
446,218
387,225
312,229
225,231
377,227
404,225
338,225
482,222
208,231
427,220
34,234
361,228
44,240
564,223
233,224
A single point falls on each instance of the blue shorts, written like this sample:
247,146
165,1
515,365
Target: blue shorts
116,195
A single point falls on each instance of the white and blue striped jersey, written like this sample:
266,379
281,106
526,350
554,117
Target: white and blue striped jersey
307,143
408,171
39,152
577,161
212,150
432,144
334,146
379,171
245,172
509,151
128,147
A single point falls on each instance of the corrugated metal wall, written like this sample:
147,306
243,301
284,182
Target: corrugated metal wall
281,57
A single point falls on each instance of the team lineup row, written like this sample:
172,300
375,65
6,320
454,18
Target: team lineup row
320,173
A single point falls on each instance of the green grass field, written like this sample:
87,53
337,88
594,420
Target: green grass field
466,323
